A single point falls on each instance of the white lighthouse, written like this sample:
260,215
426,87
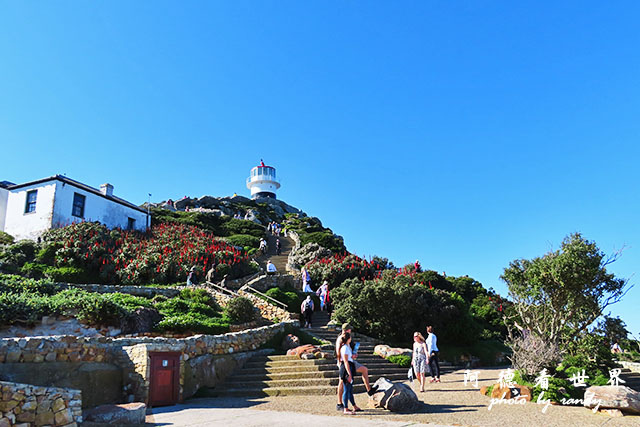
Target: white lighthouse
263,182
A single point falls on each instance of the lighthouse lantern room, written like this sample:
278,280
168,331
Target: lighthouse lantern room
263,182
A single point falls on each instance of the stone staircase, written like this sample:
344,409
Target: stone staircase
280,261
632,379
289,375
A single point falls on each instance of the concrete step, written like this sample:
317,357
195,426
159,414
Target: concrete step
303,382
277,391
323,370
260,374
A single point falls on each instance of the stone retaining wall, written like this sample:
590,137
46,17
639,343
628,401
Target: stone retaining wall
103,349
139,291
39,406
291,266
135,355
268,311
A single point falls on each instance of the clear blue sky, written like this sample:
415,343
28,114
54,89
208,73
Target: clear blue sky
463,134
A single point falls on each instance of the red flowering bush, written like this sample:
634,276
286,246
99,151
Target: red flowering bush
340,267
164,255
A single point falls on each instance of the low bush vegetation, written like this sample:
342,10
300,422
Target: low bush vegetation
240,310
25,301
401,360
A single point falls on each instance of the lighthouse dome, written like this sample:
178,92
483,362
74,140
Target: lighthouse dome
263,181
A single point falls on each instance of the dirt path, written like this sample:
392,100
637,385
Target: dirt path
447,403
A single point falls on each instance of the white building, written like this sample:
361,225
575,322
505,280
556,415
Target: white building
27,210
263,182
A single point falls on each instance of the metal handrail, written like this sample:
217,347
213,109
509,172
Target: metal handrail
281,304
223,289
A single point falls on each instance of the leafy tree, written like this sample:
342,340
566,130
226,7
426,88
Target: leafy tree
557,296
613,329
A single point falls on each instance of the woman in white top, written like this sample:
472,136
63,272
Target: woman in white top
419,359
432,347
347,369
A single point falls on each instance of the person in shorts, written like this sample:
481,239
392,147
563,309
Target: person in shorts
361,369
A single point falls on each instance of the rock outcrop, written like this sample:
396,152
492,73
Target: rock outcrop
385,351
623,398
395,397
129,413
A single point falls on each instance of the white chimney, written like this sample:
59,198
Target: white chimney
106,189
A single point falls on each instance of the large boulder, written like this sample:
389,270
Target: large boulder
613,397
182,204
290,341
385,351
395,397
129,413
208,202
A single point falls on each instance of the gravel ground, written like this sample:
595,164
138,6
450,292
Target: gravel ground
447,403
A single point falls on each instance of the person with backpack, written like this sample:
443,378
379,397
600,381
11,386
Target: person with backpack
306,308
278,247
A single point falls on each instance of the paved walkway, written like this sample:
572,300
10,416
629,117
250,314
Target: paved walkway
448,403
199,413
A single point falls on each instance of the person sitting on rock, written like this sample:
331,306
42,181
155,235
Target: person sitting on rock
361,369
271,269
192,279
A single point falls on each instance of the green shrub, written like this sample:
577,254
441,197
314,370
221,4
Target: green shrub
195,323
129,302
33,270
19,284
291,299
401,360
14,256
240,310
325,239
6,238
244,240
47,255
394,307
67,274
200,296
88,307
23,307
240,226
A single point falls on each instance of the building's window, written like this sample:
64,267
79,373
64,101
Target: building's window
131,223
31,201
78,205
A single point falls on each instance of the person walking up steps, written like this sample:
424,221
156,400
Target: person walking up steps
432,347
361,369
306,308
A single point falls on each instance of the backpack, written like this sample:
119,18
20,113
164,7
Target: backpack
307,305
